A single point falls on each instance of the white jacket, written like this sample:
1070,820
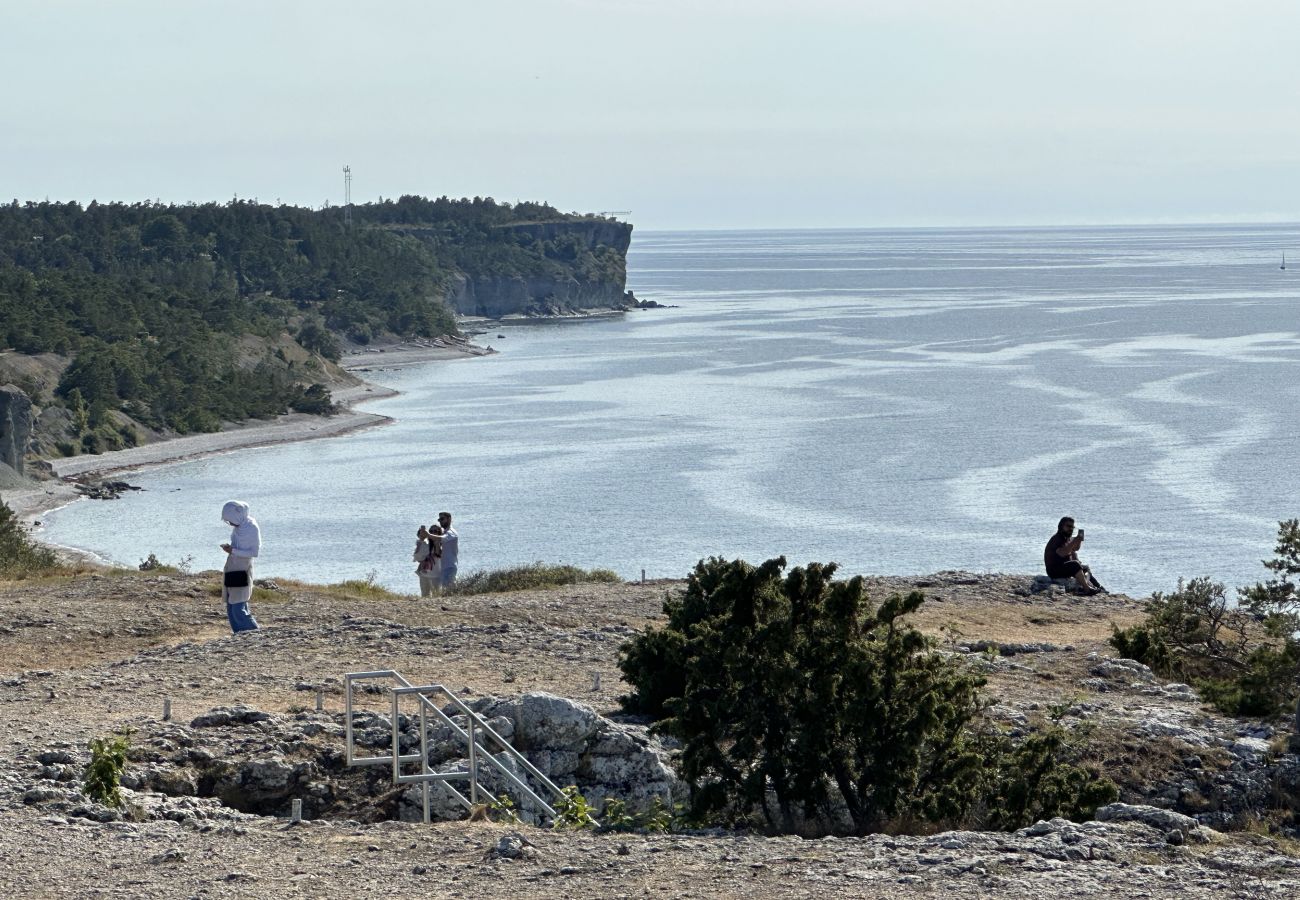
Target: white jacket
246,538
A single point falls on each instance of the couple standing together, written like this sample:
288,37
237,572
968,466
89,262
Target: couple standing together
436,550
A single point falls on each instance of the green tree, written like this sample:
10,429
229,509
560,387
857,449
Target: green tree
795,697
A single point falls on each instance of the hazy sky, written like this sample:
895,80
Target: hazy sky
689,113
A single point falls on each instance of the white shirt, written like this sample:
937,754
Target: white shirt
450,545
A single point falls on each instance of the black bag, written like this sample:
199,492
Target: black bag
236,578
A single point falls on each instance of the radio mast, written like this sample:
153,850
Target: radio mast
347,196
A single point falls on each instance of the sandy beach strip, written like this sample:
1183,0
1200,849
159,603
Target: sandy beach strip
30,503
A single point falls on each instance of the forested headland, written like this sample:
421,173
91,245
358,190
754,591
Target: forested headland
176,318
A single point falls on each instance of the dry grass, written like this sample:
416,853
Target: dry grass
1022,623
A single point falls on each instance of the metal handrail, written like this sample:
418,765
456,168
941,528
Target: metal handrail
477,725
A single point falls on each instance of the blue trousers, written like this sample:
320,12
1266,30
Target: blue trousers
241,619
448,576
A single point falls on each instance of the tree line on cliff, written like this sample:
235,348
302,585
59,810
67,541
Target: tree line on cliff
156,302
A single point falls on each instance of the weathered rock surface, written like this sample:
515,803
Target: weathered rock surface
15,427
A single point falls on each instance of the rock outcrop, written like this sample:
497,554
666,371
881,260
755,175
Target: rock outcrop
496,296
257,762
15,427
566,740
549,287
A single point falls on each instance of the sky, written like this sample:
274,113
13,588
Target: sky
687,113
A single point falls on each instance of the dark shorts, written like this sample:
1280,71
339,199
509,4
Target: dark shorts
1067,569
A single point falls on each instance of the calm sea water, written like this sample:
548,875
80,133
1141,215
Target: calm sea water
896,401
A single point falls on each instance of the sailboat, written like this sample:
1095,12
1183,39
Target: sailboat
1283,266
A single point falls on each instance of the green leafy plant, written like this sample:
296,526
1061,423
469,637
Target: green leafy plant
659,817
573,811
103,779
615,816
502,809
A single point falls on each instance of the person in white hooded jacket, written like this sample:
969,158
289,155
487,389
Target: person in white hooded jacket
237,576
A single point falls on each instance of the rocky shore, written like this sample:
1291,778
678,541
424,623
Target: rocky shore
208,790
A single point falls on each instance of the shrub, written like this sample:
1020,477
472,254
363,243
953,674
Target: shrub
103,779
528,578
795,698
20,556
573,811
1031,783
1244,658
153,564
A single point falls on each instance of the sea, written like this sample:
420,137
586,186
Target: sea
894,401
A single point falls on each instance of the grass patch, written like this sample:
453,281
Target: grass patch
528,578
363,589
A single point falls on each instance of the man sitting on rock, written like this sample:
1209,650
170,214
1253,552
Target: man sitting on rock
1061,556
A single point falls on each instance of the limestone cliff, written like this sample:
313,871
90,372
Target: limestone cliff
15,427
552,267
495,296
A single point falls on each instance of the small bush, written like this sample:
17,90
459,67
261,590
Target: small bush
365,588
528,578
20,556
158,567
1245,658
103,779
573,810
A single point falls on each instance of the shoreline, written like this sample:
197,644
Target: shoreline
29,503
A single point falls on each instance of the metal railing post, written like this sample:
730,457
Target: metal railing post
473,765
397,747
424,759
347,715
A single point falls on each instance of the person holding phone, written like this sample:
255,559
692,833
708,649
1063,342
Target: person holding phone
237,575
1061,557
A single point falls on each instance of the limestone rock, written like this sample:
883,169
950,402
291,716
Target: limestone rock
1163,820
15,427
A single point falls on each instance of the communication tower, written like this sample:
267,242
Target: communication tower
347,196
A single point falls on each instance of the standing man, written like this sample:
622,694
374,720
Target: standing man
450,543
1061,557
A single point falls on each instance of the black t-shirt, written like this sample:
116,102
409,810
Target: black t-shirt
1053,560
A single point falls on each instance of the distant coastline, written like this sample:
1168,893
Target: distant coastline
33,502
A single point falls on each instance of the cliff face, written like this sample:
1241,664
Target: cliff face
495,296
15,426
554,284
